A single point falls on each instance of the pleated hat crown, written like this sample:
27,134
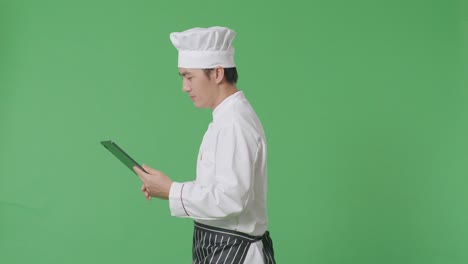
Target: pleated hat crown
204,48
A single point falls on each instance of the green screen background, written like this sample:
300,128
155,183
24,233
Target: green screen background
364,104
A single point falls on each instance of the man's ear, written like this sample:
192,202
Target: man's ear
219,74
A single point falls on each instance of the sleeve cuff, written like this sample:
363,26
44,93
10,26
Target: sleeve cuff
176,200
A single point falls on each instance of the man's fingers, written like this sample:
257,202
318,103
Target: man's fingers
149,169
147,195
142,176
139,172
136,169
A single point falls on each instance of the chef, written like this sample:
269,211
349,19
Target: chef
227,200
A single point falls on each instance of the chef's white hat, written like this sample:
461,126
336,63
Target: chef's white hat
204,48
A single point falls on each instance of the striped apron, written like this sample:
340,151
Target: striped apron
218,245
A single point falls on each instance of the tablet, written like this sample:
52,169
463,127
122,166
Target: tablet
121,155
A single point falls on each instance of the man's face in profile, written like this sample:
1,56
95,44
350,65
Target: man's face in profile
201,89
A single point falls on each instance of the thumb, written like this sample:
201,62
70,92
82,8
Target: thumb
149,169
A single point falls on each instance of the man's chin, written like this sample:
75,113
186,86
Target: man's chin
198,105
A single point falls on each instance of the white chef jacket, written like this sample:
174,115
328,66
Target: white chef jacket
231,182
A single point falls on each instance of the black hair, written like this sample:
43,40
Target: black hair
230,74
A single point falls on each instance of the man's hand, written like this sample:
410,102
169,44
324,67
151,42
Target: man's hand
155,183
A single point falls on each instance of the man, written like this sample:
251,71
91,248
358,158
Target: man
228,198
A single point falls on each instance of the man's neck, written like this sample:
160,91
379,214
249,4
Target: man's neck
225,91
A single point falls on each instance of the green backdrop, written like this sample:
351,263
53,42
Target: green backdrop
364,104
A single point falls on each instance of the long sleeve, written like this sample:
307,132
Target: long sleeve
225,179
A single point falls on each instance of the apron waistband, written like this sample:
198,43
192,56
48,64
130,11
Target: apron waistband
237,234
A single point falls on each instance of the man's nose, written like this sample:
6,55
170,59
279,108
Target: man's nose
186,86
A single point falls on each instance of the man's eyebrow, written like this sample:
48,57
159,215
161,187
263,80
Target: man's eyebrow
184,74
